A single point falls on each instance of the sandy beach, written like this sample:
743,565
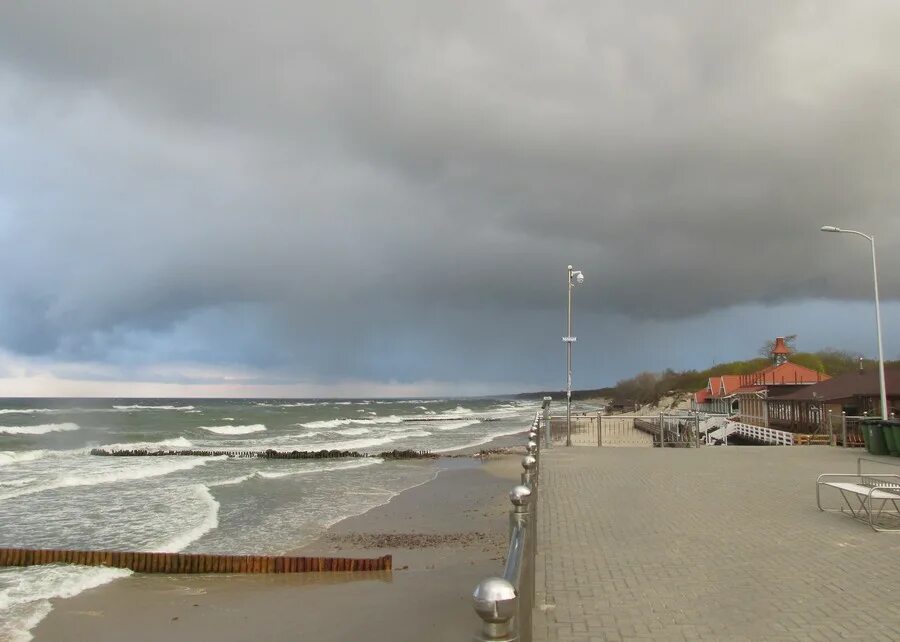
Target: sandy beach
444,535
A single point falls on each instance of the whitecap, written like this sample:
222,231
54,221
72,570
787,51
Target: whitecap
327,423
209,522
24,411
145,407
116,472
8,457
352,431
234,430
456,425
487,439
177,442
25,599
42,429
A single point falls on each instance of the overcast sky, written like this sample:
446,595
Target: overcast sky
376,198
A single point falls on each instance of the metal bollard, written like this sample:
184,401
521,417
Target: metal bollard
531,447
548,438
496,602
529,476
522,517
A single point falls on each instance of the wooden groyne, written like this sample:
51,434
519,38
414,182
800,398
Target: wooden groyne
191,562
262,454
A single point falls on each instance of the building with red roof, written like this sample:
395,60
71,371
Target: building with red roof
745,395
782,377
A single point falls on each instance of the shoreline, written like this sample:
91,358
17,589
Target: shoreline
445,534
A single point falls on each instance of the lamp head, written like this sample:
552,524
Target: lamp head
830,228
578,275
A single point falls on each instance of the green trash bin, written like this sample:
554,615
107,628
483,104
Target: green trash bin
893,428
877,441
890,438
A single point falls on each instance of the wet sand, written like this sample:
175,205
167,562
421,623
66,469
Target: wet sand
445,536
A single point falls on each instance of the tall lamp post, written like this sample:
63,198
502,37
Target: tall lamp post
575,277
871,239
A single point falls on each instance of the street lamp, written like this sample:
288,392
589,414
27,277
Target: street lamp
575,277
871,238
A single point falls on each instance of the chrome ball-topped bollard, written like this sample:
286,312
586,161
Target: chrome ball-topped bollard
496,603
529,463
520,496
531,447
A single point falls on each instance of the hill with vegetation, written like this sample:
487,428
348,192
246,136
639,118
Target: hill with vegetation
649,387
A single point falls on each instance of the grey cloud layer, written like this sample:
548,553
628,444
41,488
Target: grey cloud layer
403,180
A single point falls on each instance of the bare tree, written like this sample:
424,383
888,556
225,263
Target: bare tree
790,341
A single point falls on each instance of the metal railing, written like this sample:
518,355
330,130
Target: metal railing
505,604
762,434
681,429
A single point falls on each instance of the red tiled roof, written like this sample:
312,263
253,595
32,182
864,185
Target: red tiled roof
701,395
787,374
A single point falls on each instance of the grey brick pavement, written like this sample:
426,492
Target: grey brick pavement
707,544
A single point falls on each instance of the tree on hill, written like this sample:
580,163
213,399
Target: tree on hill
790,341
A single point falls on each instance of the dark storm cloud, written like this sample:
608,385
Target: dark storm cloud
394,189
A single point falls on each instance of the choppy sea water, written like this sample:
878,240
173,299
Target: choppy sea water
54,494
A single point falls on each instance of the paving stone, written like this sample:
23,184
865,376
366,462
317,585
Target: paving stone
713,543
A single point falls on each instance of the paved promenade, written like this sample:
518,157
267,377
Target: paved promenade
709,544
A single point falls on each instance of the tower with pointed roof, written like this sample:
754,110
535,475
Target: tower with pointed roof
780,352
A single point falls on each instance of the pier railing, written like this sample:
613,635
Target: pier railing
505,604
679,429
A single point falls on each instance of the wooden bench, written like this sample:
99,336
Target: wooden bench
866,497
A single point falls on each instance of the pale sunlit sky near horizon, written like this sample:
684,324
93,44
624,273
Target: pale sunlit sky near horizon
380,199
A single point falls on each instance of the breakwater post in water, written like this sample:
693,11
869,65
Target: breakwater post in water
191,562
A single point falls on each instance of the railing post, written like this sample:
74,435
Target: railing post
548,437
520,517
843,428
697,430
662,432
599,428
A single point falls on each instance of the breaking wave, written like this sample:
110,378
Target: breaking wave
42,429
145,407
8,457
234,430
151,467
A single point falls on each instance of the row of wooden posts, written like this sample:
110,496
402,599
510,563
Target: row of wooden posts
191,562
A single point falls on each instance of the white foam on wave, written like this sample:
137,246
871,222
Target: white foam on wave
208,522
145,407
234,430
116,472
26,593
177,442
487,439
456,425
8,457
352,431
24,411
368,461
42,429
344,421
328,423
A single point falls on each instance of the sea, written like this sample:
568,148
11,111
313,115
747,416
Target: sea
55,494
